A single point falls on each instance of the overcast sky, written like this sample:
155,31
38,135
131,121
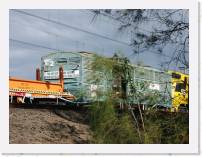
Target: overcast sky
32,36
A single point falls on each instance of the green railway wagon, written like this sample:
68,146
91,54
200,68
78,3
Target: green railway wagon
143,85
153,83
76,72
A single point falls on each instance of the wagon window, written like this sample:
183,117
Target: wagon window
74,59
179,87
175,75
62,60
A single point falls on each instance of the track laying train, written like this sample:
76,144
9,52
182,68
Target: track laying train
171,87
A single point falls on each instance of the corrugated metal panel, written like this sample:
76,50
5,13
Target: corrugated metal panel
75,67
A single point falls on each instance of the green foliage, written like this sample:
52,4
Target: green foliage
166,128
109,127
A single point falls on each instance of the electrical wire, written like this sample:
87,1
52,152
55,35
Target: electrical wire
35,45
71,27
75,28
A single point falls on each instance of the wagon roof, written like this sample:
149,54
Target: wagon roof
81,53
88,54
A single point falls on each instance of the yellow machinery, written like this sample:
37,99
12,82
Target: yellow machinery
180,91
23,91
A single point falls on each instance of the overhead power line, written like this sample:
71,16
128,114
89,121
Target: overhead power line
74,28
71,27
35,45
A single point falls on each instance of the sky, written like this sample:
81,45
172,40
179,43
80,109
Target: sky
35,33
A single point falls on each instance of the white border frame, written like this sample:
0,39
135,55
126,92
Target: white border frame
191,148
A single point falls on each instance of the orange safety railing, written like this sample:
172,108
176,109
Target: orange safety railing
37,88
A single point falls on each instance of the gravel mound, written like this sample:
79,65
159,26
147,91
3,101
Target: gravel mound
47,126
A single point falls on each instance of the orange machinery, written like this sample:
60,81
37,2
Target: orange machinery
29,91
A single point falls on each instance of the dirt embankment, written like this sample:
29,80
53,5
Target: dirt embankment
38,125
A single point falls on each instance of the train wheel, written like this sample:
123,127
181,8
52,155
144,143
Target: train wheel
20,100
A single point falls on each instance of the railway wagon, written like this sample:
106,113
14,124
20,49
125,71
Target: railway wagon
142,85
153,83
76,72
38,92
